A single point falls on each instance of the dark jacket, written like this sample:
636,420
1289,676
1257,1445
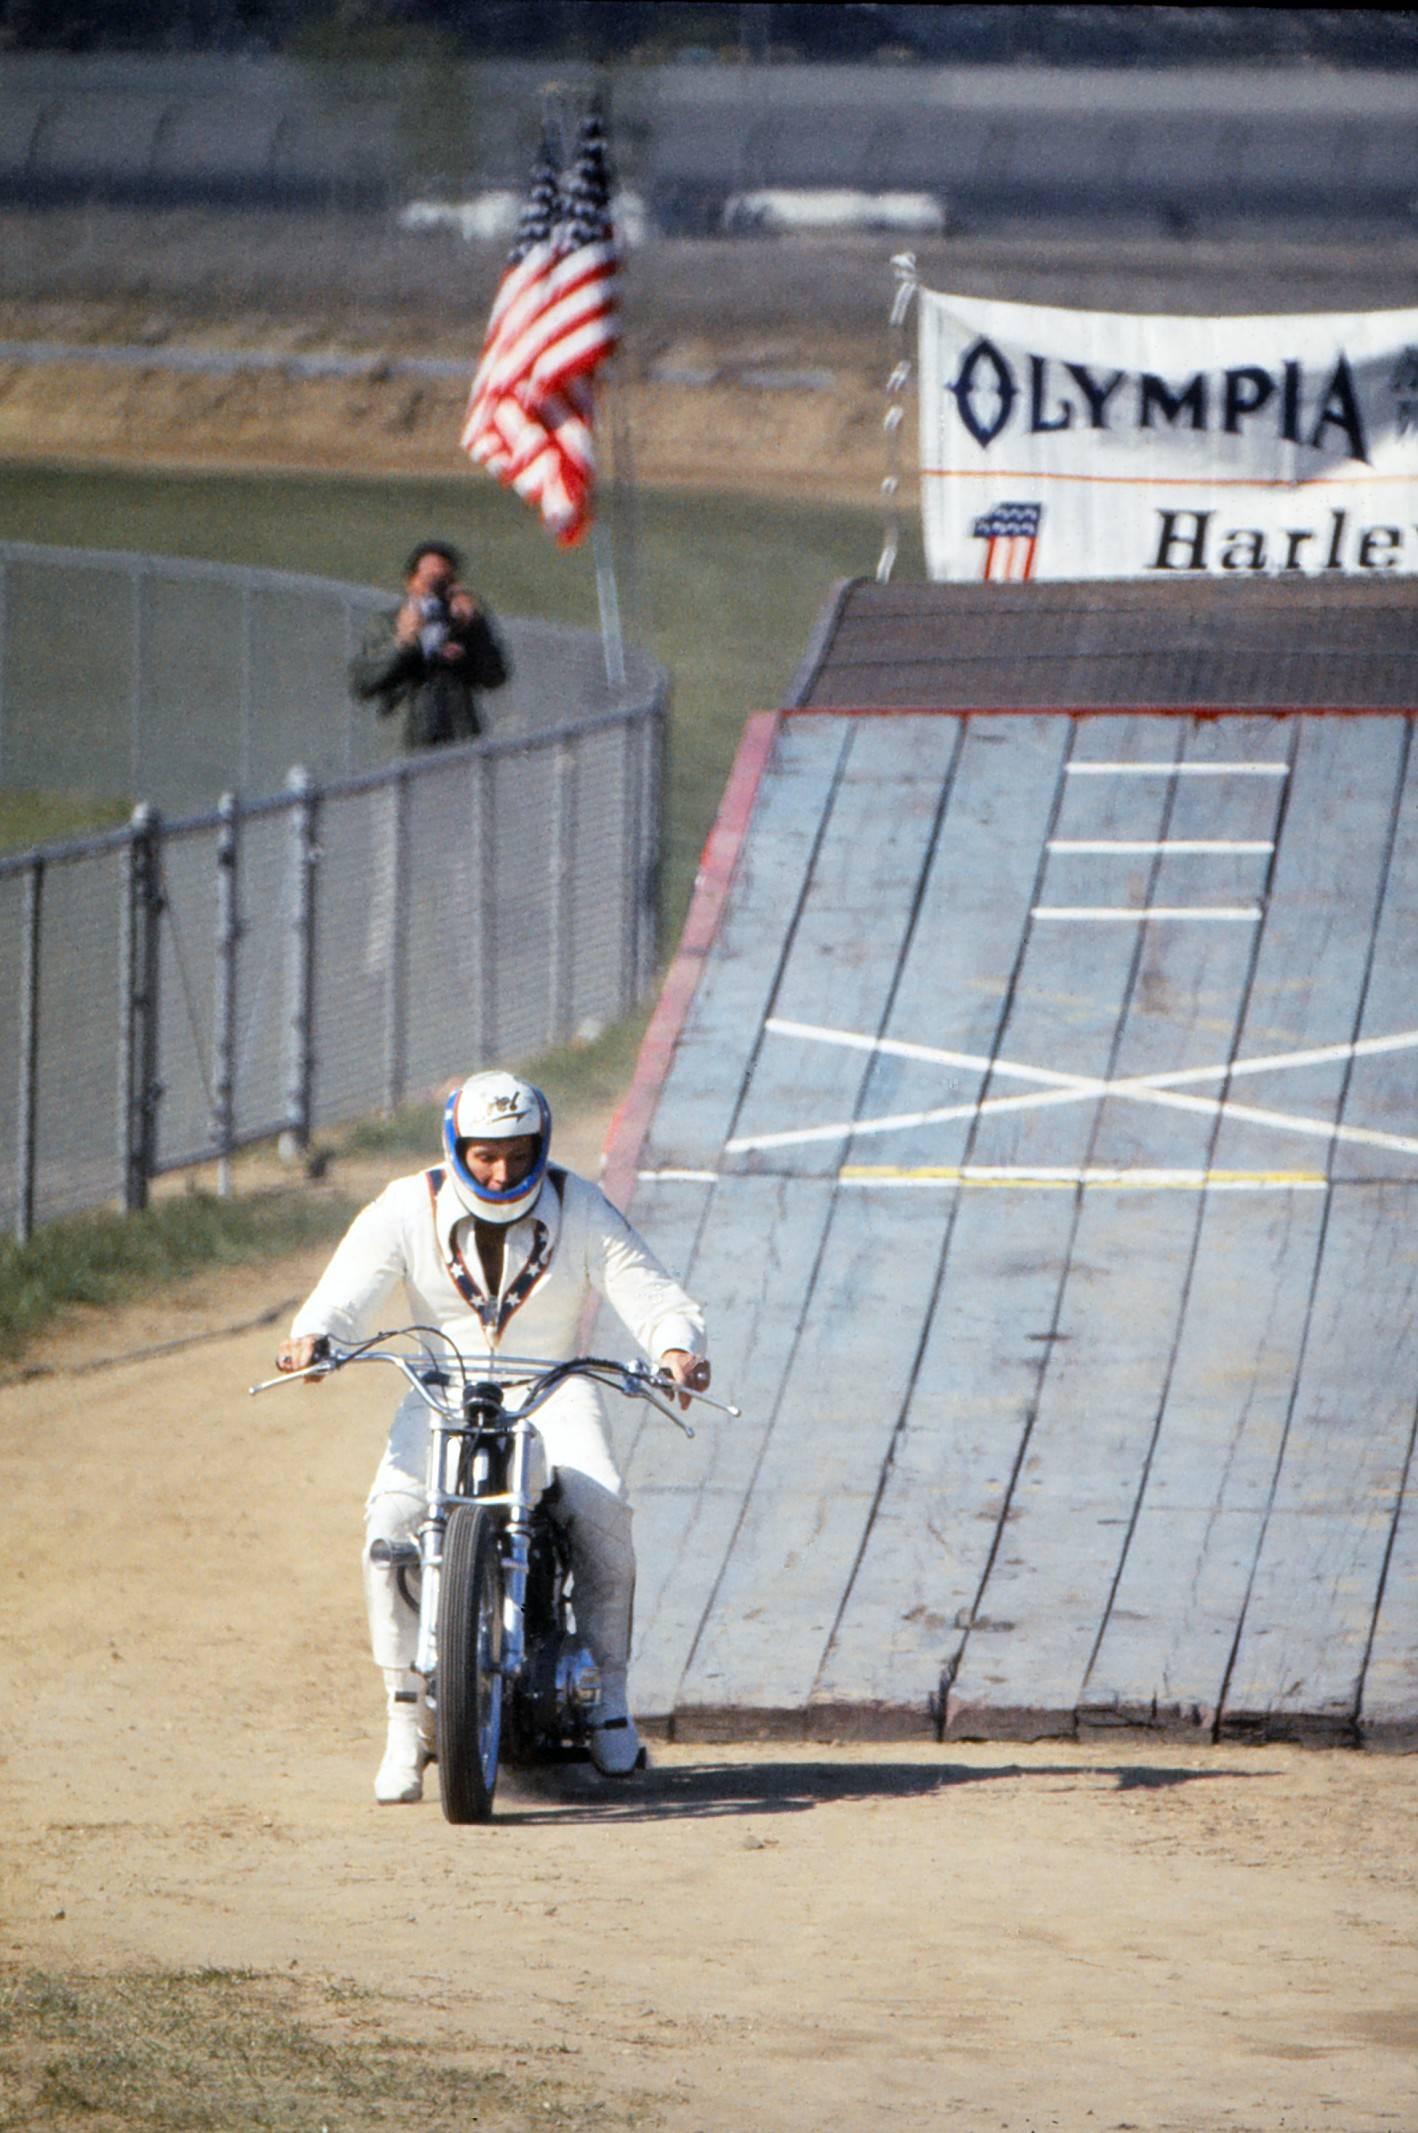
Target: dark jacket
439,700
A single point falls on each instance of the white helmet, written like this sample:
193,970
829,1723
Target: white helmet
496,1107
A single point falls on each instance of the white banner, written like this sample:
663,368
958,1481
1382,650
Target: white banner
1089,444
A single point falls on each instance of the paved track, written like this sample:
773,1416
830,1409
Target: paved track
1063,1259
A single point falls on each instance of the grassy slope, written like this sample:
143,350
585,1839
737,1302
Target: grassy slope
727,591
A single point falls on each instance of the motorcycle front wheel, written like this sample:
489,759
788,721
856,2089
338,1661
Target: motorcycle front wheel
469,1665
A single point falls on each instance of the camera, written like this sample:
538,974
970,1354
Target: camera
435,619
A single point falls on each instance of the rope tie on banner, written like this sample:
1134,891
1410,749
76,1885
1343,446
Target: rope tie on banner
903,266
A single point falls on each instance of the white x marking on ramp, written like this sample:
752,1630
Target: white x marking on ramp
1055,1087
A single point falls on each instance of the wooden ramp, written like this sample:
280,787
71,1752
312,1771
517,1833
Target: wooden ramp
1032,1105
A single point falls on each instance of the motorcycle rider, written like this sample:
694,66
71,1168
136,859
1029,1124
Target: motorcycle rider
497,1238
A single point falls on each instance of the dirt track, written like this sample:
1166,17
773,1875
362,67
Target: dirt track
1073,1936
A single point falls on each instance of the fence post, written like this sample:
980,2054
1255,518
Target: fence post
652,793
353,638
29,1048
138,581
631,856
305,858
562,858
247,683
139,1088
396,976
224,1017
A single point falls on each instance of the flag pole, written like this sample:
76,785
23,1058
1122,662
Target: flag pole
608,600
602,527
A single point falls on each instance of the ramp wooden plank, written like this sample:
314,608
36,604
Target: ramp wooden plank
1310,1613
956,979
669,1216
778,1598
1192,975
1171,1627
1388,1713
1074,979
755,1264
1082,1470
1315,948
841,963
1382,1092
702,1087
947,1486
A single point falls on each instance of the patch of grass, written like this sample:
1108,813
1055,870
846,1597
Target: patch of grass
107,1258
40,817
723,589
234,2051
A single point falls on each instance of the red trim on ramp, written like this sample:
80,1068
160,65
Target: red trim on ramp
711,888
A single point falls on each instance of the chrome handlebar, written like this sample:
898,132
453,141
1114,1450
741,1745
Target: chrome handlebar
425,1374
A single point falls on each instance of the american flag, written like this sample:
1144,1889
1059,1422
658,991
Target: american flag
1011,532
554,321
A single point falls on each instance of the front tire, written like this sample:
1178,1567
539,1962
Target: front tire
469,1665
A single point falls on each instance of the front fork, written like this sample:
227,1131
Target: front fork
516,1555
430,1573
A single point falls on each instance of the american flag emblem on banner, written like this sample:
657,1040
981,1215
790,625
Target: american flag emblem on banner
1011,535
554,321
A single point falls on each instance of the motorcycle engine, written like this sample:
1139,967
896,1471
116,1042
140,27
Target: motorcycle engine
563,1681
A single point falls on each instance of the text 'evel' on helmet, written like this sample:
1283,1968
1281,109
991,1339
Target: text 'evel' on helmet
495,1106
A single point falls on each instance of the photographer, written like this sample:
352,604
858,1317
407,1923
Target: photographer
431,657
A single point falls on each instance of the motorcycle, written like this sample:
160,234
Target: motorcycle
504,1671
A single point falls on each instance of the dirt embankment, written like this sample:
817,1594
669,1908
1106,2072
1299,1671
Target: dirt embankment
755,416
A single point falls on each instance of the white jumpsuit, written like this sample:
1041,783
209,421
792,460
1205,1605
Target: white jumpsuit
571,1244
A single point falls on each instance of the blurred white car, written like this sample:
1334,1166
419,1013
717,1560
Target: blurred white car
491,217
784,212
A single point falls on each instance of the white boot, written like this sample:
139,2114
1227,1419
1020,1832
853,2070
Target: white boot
401,1772
615,1744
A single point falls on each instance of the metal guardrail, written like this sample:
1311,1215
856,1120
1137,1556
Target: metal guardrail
279,965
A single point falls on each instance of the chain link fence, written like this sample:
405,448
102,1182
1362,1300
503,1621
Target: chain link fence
188,679
281,965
